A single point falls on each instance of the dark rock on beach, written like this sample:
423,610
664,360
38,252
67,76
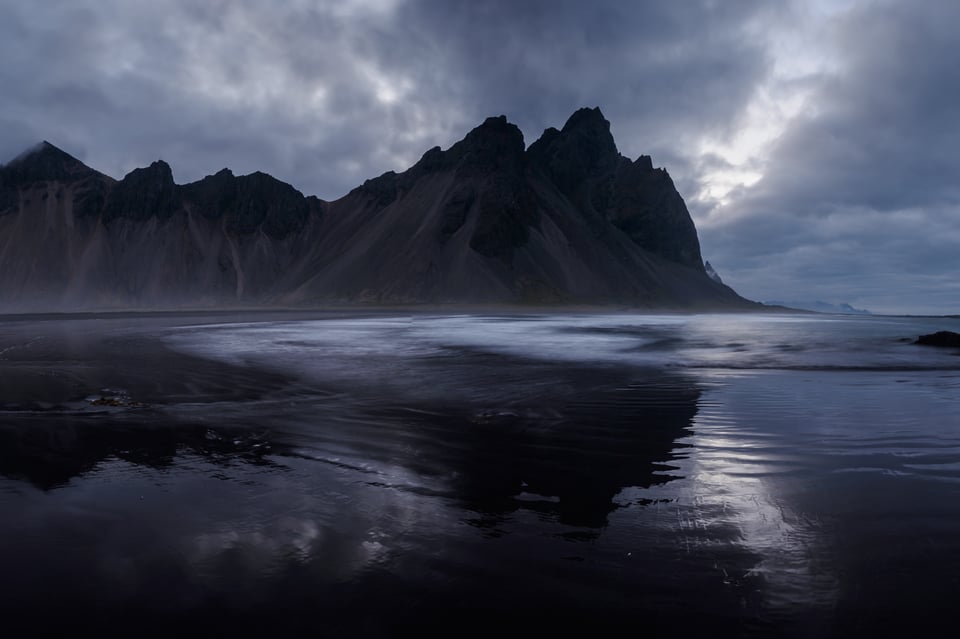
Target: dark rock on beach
947,339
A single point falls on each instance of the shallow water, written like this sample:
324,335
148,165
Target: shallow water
739,474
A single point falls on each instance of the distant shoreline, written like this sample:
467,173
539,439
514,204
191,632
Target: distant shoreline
370,310
367,309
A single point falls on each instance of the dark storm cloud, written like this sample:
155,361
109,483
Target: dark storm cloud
327,94
665,74
860,201
886,133
235,84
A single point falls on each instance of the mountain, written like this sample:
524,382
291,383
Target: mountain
567,220
712,272
822,307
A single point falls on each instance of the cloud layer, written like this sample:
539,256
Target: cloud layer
815,145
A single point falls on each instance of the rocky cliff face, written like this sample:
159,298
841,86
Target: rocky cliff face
583,162
567,220
712,273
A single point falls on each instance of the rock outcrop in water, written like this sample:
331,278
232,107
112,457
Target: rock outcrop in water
947,339
567,220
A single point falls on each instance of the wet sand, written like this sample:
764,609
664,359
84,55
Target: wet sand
370,486
97,405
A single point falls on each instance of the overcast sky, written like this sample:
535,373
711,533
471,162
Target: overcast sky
817,143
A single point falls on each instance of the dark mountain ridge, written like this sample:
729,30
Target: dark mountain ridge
567,220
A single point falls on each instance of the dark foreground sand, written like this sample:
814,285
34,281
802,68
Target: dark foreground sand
151,491
470,490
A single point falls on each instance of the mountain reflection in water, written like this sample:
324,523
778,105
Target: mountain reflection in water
463,473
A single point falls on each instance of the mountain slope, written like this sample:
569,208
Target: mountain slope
568,220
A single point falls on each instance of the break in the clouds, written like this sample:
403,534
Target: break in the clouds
815,142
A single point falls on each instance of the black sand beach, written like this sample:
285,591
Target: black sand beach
375,474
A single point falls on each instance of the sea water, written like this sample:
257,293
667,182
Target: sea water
370,474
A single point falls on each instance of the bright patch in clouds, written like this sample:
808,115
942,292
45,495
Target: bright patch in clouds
744,151
800,53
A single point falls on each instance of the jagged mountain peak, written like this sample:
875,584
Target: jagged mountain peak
157,175
495,143
43,162
41,149
158,170
496,125
591,131
486,220
586,118
144,193
583,149
249,203
644,162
